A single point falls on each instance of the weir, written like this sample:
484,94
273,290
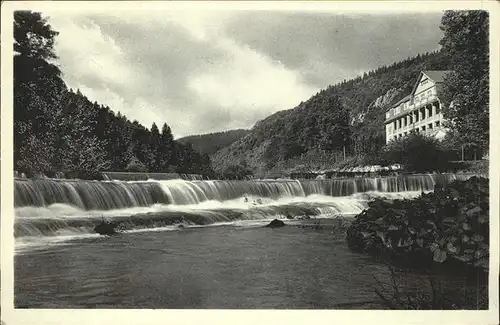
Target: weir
58,208
110,195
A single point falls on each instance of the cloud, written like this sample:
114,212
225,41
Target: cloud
211,71
247,85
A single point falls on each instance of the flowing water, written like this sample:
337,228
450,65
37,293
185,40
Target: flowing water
195,244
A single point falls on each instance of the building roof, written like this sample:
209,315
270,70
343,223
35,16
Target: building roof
437,75
405,99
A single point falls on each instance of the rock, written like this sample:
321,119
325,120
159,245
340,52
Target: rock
106,228
276,224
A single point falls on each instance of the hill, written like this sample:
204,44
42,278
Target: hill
345,119
212,142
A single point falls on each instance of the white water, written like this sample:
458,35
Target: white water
52,212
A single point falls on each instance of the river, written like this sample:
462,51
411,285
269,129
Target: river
196,244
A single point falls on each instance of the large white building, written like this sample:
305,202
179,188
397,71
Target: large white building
420,111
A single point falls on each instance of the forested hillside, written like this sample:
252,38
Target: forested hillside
57,129
212,142
347,116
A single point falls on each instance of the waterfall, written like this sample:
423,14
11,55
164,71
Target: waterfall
59,210
87,195
110,195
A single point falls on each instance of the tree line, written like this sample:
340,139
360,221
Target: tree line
57,129
212,142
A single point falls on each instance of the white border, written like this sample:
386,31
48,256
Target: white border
10,315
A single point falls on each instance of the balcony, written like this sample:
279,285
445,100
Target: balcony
429,120
390,115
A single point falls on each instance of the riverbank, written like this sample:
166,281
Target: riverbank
445,231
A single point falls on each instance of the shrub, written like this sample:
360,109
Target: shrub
418,153
135,165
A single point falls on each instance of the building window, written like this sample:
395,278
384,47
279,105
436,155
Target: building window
406,133
423,128
430,126
438,124
395,125
400,125
438,108
404,121
429,111
411,119
416,117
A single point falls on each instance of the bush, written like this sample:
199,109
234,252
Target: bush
451,224
418,153
136,166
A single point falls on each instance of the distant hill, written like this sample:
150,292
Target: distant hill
347,117
212,142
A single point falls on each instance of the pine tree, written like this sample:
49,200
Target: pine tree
156,148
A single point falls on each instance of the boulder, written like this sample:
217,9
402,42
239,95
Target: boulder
106,228
276,224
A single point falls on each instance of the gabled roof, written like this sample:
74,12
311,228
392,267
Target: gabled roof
405,99
436,75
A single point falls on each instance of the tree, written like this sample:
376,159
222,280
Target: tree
78,149
155,149
236,172
166,154
466,91
136,166
38,88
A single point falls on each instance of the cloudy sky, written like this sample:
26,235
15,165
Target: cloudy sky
217,70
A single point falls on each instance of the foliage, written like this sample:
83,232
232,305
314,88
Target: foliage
212,142
59,130
451,223
466,44
135,165
38,88
417,152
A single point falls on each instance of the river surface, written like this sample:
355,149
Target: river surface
197,244
214,267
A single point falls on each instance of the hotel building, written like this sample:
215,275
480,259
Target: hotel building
420,111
